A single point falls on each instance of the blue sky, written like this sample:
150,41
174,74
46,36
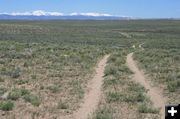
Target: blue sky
134,8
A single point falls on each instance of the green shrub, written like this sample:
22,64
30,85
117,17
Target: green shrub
14,94
103,114
18,93
134,97
120,61
144,108
140,97
171,87
24,92
113,97
108,82
124,69
110,70
112,59
136,87
6,106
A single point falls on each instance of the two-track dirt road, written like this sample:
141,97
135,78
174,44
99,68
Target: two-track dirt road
93,93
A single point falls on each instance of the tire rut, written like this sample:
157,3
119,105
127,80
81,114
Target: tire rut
93,95
155,93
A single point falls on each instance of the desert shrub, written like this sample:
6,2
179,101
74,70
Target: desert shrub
3,69
144,108
114,97
15,73
25,64
112,59
33,99
136,97
173,85
113,81
110,70
18,93
14,55
2,62
24,92
119,61
75,59
20,82
136,87
162,65
103,114
1,79
6,105
14,94
53,88
140,97
33,76
62,105
2,90
176,57
124,69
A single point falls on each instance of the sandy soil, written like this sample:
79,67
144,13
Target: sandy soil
154,93
93,94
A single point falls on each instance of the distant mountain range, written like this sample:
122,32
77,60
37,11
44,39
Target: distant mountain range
62,17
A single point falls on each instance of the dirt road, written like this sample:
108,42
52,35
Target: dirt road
154,92
93,95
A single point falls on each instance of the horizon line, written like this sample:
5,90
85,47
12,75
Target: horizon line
90,14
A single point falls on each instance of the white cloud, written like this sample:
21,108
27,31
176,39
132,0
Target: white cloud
90,14
37,13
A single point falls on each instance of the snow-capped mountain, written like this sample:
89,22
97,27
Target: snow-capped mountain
42,15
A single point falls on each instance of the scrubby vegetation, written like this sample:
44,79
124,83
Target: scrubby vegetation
45,65
163,66
157,52
6,105
161,60
123,98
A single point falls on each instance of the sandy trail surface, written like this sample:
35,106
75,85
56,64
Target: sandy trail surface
154,93
93,95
